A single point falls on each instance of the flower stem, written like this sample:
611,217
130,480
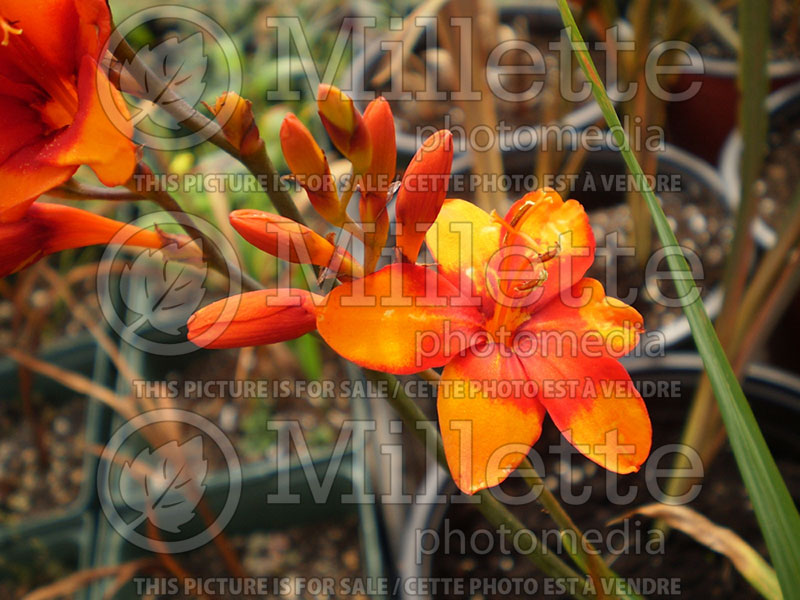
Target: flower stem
258,163
211,252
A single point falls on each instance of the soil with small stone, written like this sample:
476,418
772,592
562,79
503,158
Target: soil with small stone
328,550
244,415
32,484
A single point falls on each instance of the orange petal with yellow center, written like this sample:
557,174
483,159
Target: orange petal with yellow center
596,407
488,421
583,321
462,241
401,319
254,318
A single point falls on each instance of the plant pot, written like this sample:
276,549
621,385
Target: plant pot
544,22
255,513
778,189
775,398
698,124
45,553
83,356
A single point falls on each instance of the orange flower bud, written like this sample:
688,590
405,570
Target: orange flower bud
48,228
238,123
422,192
262,317
291,241
376,182
380,124
310,168
345,126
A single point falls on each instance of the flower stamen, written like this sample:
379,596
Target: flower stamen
8,30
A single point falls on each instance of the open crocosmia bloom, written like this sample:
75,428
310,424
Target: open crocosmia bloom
47,228
518,329
50,113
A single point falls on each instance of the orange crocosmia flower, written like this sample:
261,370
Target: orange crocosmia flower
518,329
47,228
50,113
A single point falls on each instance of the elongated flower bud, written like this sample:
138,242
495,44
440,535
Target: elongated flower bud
47,228
422,192
380,124
377,181
345,126
262,317
310,168
238,123
291,241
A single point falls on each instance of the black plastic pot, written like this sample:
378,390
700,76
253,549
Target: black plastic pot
782,104
775,398
255,514
544,17
49,550
82,356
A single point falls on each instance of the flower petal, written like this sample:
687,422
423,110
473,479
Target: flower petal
584,321
488,423
596,407
462,241
47,228
546,223
92,138
254,318
403,318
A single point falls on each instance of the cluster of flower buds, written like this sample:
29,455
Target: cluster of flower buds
367,141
